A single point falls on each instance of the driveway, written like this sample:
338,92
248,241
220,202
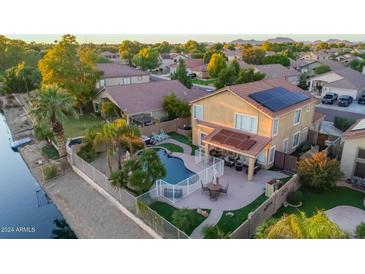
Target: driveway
346,217
353,111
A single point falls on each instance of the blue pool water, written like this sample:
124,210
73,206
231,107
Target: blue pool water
175,167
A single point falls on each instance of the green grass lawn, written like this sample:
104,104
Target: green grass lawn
230,223
326,200
183,139
166,211
205,82
172,147
77,127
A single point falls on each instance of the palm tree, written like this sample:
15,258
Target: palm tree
107,135
53,105
299,226
131,136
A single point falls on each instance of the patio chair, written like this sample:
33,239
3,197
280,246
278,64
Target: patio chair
224,189
204,187
157,138
228,161
164,134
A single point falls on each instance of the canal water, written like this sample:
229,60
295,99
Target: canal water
25,209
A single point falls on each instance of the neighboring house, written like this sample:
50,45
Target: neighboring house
196,66
232,54
279,71
110,55
304,66
344,81
253,120
353,153
144,99
117,74
166,60
319,55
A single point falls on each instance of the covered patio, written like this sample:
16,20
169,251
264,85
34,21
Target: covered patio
238,149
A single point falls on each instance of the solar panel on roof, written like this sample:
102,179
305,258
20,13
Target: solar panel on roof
278,98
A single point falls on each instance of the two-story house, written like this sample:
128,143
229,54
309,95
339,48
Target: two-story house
253,120
113,74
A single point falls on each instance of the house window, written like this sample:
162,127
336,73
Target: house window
361,154
139,78
285,145
126,81
272,154
102,83
297,116
275,127
198,112
246,123
359,170
296,139
96,107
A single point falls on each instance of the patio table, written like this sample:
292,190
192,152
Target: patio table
214,190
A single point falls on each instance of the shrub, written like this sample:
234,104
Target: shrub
42,132
360,231
343,123
321,69
214,232
88,153
318,172
295,198
50,152
50,171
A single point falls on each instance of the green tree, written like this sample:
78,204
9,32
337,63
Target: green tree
252,55
356,64
299,226
181,74
138,174
71,67
146,58
175,107
216,64
20,79
303,81
321,69
249,75
276,59
360,231
322,45
53,105
127,49
343,123
164,47
228,76
318,172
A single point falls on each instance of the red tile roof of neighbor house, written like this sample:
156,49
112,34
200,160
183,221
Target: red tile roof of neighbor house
235,140
244,90
111,70
277,71
148,97
355,133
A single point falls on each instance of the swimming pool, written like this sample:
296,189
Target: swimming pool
176,170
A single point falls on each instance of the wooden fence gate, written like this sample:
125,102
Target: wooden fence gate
285,161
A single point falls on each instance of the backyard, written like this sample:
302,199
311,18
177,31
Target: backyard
183,139
172,147
76,127
166,211
207,82
325,200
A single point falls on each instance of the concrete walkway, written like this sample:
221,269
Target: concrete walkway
213,218
346,217
187,149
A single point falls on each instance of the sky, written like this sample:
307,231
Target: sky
176,38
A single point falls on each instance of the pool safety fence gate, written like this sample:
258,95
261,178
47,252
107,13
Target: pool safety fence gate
211,167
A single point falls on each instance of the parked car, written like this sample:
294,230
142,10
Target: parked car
345,101
329,98
361,100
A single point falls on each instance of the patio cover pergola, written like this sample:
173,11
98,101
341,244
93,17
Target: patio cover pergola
236,141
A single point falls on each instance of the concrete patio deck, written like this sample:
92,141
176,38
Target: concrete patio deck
241,192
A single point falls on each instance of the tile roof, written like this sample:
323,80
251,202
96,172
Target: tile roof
235,140
352,79
333,65
147,97
277,71
244,90
192,63
111,70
